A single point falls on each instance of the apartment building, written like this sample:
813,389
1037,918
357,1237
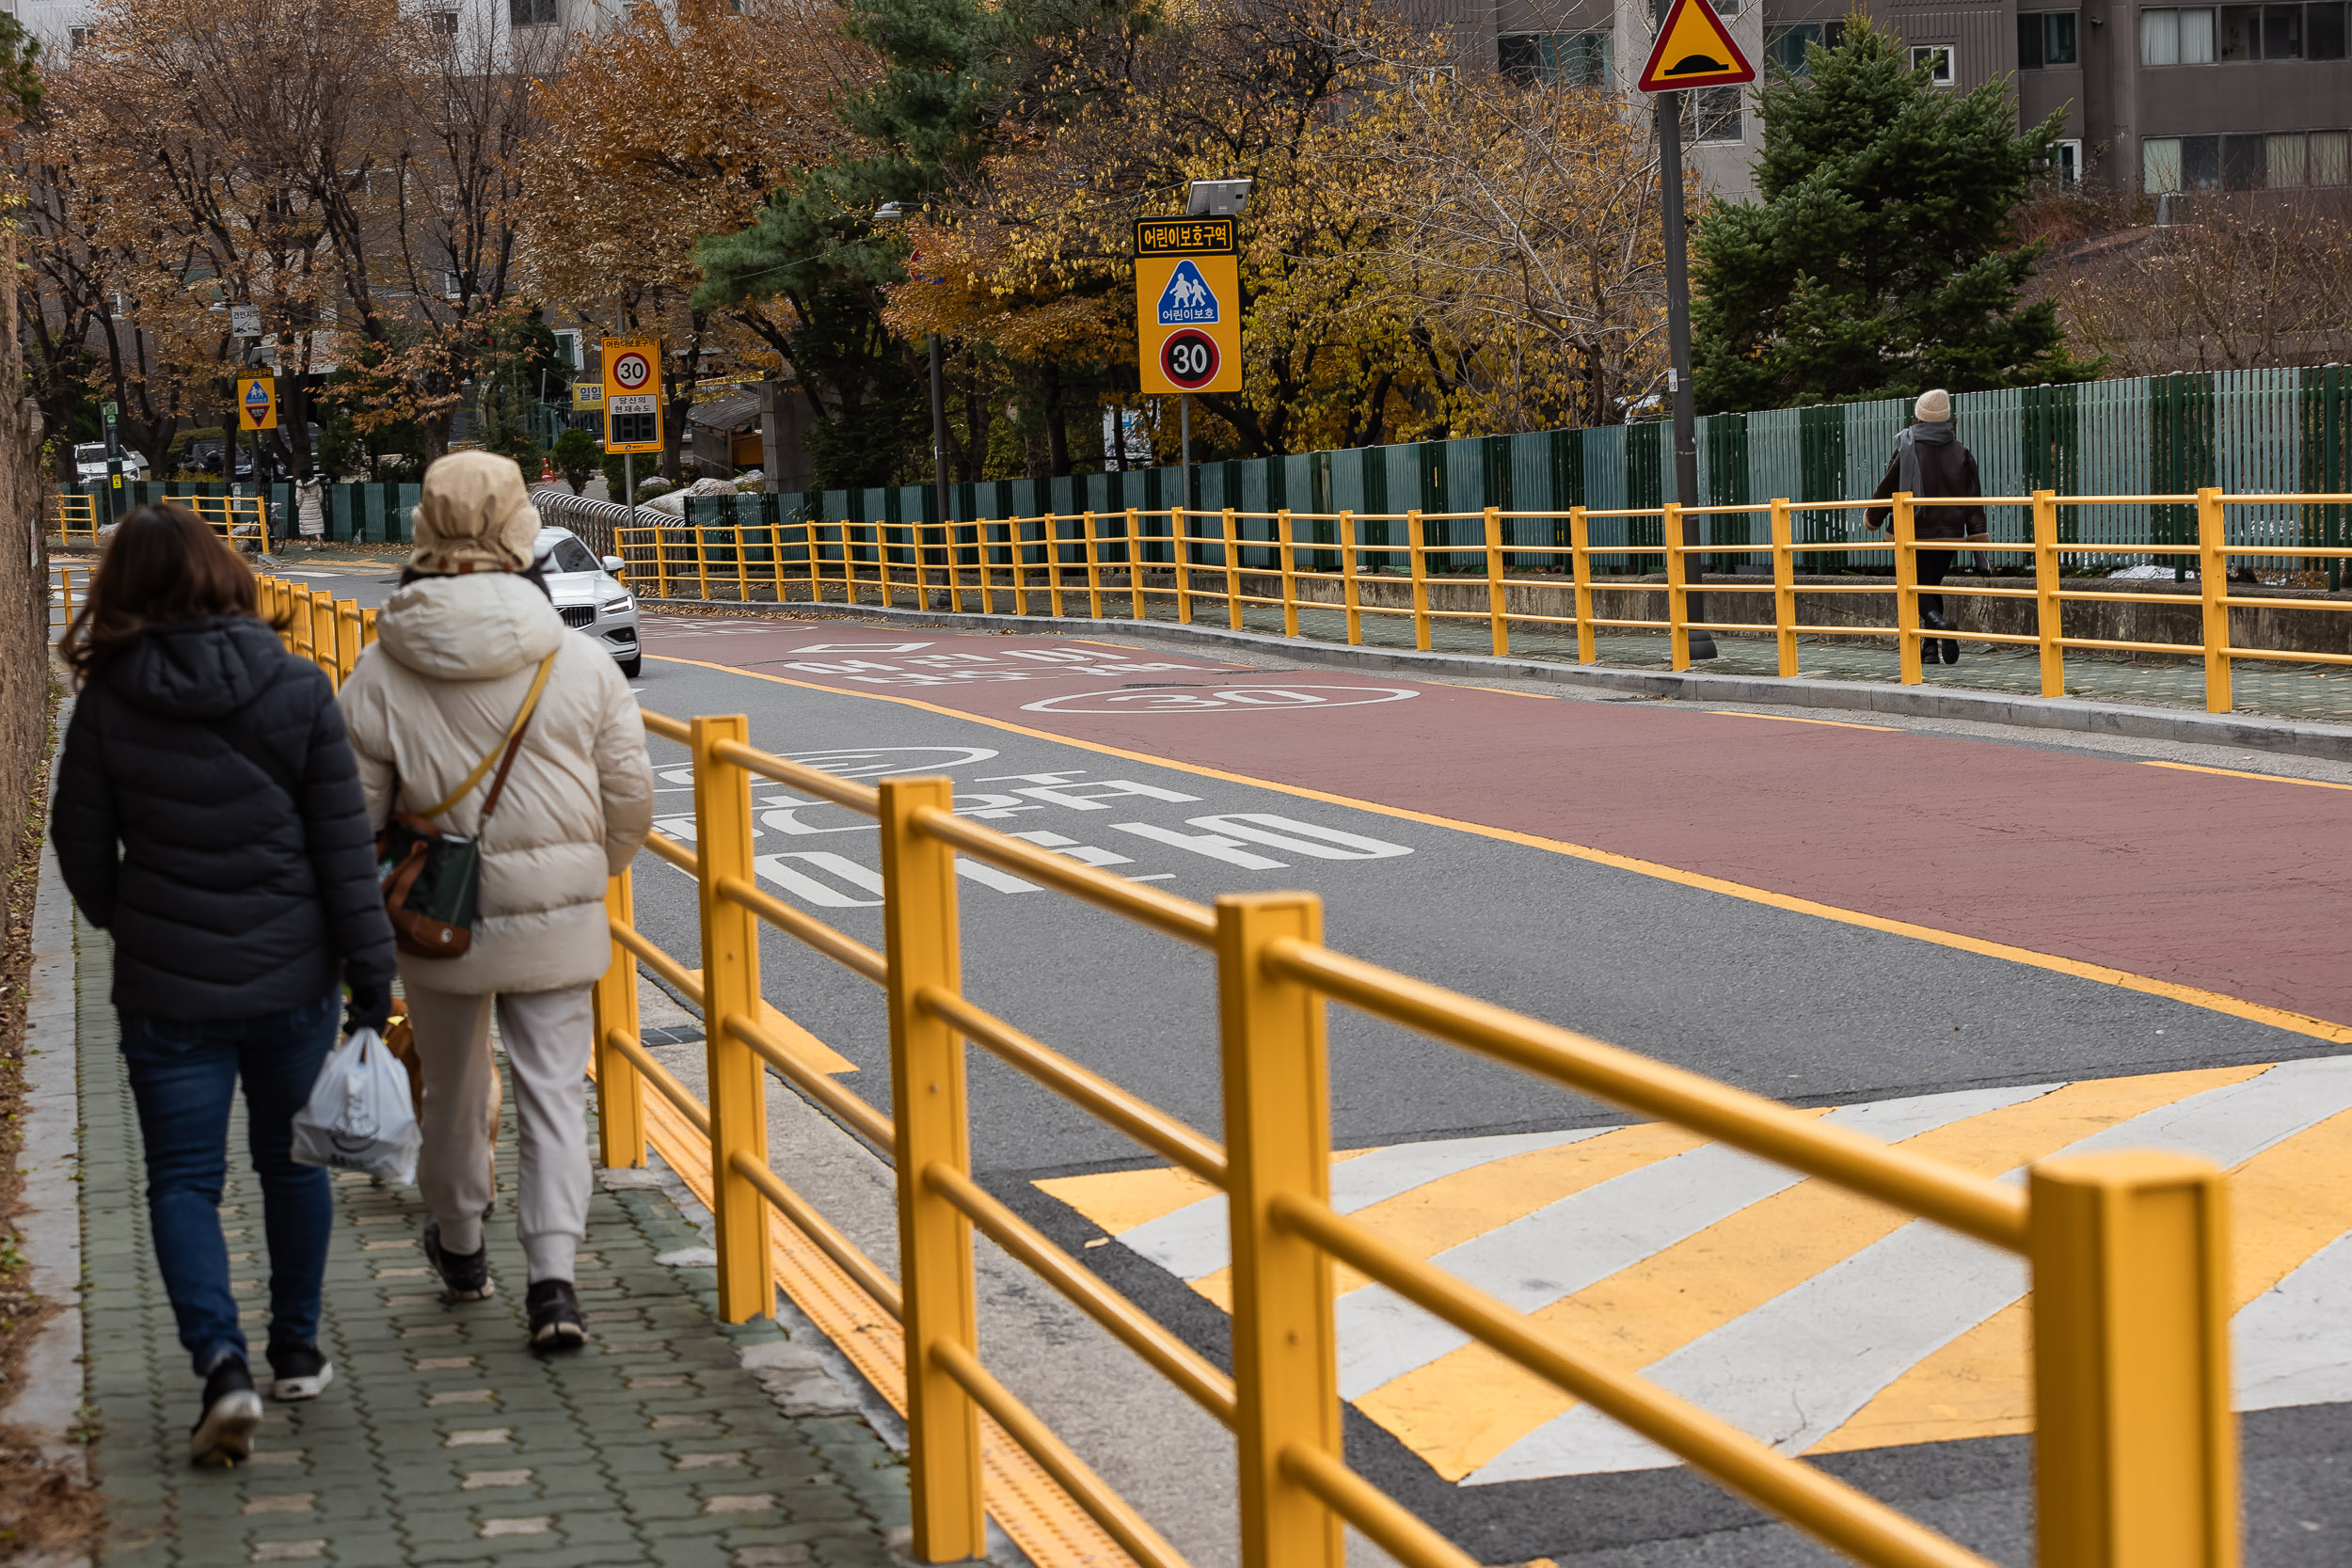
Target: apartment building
2157,98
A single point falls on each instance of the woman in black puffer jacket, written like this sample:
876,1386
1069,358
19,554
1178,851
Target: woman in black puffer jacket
208,816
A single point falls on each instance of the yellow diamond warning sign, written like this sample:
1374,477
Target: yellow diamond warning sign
1693,50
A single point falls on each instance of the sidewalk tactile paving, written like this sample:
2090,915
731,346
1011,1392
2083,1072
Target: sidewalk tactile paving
443,1439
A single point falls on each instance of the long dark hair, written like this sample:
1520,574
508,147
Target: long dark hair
161,565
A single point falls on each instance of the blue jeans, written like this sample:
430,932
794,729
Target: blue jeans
182,1074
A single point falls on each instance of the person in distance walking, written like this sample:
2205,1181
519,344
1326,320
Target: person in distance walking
1930,462
480,712
208,816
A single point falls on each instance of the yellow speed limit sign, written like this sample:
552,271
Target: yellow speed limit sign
632,395
1187,305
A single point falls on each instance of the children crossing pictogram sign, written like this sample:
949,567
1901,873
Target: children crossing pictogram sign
1693,50
1187,300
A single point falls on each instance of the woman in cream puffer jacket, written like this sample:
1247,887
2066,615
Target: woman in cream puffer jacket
457,648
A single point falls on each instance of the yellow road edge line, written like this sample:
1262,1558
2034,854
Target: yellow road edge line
2211,1001
1032,1509
1498,690
2241,773
1791,718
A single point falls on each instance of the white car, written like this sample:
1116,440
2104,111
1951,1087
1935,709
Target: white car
591,595
89,461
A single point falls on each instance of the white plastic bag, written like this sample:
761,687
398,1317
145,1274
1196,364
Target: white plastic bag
358,1117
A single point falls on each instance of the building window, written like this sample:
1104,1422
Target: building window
2066,161
2182,37
2201,35
2330,159
2045,38
530,13
1555,59
1936,59
443,23
76,37
1714,114
1785,43
2160,164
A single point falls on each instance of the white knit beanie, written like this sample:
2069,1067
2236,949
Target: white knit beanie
1933,408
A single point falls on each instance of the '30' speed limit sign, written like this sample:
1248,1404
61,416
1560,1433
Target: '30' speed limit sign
1187,305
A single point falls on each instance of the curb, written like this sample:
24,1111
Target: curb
2247,732
48,1402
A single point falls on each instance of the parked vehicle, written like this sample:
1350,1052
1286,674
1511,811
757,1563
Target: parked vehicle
89,461
590,594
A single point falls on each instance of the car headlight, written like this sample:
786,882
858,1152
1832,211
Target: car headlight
614,607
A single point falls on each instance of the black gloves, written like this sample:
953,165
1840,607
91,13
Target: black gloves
370,1007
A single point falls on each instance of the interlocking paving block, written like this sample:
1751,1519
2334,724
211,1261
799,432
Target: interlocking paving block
443,1440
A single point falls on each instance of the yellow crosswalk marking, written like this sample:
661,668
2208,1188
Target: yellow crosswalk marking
2286,1203
1466,1407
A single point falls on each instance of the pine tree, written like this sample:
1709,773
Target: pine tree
1882,258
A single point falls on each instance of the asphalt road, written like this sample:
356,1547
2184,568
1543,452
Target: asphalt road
1975,938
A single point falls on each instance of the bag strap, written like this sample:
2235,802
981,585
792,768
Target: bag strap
507,744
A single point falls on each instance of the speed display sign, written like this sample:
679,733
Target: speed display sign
1187,305
632,395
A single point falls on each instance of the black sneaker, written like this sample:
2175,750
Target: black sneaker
223,1435
555,1321
464,1277
302,1373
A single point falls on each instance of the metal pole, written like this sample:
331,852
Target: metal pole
1183,435
939,430
1669,107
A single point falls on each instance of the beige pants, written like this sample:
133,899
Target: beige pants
546,1034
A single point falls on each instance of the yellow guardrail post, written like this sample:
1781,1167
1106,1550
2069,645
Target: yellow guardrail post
926,1082
1134,565
1580,568
701,537
1232,573
1053,563
743,568
620,1093
2049,622
1498,624
2213,582
809,545
1351,592
366,628
739,1079
1677,597
1413,532
2135,1442
1094,567
1277,1141
1784,586
347,642
1286,560
1907,590
1180,526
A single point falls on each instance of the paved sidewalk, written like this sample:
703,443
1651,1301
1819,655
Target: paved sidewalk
443,1440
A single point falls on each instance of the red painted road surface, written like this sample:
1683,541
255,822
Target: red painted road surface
2233,886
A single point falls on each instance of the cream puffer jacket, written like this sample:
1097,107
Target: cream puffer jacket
453,660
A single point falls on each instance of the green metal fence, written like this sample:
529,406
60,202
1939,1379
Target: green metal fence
2247,430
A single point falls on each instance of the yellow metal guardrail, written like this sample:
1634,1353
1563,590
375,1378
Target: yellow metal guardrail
73,516
2135,1445
328,632
956,565
238,519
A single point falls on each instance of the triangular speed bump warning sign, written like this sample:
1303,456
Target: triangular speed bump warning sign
1693,50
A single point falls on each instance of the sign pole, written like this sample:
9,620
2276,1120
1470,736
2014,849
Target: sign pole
1701,643
1693,49
1183,437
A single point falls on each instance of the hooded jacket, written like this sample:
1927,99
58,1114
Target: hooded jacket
208,814
1945,469
453,660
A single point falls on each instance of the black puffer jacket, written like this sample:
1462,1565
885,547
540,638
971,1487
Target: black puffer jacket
189,751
